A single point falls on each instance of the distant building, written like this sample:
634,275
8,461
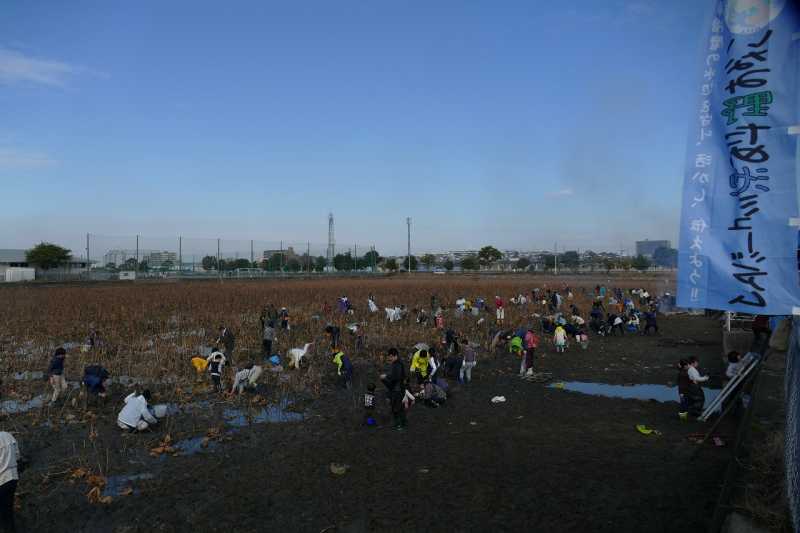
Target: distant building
647,248
118,257
159,259
266,255
16,258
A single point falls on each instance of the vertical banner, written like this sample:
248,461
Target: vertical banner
739,222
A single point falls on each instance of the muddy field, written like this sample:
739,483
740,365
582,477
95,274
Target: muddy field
546,459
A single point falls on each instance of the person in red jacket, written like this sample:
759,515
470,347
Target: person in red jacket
531,343
499,310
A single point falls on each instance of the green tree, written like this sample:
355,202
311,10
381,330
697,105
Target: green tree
111,267
237,263
448,265
209,262
372,258
167,265
294,265
144,267
320,263
276,262
343,262
550,261
570,260
488,255
640,262
390,264
609,264
470,263
46,255
428,260
413,262
523,263
665,257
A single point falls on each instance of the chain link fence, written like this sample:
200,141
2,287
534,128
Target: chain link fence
140,256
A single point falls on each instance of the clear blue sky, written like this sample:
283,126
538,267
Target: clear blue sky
508,123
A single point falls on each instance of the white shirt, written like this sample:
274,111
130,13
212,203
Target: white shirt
135,409
695,376
9,455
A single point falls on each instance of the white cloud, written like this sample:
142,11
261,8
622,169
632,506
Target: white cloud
16,67
12,158
561,192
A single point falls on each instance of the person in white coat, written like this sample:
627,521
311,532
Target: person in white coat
136,415
9,476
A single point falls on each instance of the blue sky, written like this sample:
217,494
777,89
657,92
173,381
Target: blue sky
510,123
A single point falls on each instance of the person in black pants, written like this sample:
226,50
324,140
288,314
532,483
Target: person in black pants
9,455
394,382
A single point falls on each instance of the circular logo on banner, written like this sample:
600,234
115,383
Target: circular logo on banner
750,16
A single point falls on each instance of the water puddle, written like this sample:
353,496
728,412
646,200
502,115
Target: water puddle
270,414
122,485
17,406
194,445
29,375
659,393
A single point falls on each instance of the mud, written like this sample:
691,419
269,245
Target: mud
545,460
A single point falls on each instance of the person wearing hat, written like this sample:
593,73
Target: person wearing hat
136,415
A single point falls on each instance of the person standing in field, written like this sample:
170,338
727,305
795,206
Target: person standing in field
395,383
696,397
500,312
56,374
228,343
560,339
284,316
9,477
468,363
267,338
531,343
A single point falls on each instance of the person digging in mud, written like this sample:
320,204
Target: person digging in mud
136,415
333,333
284,316
246,377
432,394
216,364
9,477
344,369
395,385
419,365
55,371
96,381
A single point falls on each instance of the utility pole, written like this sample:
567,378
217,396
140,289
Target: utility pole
308,255
180,254
408,222
555,256
219,270
136,266
252,257
88,257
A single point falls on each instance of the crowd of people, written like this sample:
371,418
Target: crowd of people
423,375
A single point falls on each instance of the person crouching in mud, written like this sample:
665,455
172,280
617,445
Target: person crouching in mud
136,415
